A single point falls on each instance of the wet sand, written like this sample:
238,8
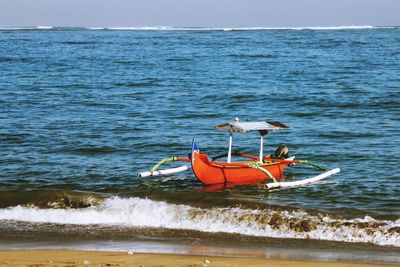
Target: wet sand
57,258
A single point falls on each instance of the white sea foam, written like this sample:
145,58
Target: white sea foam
137,212
44,27
142,28
336,28
168,28
17,28
27,28
302,28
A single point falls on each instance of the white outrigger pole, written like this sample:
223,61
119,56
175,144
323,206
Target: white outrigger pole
164,172
302,182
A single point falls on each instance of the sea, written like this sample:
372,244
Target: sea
84,110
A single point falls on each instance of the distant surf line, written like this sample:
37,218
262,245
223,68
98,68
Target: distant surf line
172,28
166,28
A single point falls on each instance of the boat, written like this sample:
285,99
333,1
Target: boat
251,170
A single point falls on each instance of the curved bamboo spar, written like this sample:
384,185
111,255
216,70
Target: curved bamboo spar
154,172
164,172
302,182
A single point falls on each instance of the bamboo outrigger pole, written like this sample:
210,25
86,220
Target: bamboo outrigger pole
301,182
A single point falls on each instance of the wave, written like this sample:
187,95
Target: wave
170,28
136,84
166,28
142,28
336,28
139,212
15,28
91,150
302,28
79,42
44,27
49,199
23,28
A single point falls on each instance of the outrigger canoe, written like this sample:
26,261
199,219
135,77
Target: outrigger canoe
254,169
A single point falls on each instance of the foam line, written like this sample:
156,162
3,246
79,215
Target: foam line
138,212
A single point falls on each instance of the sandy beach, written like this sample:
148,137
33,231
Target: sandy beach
94,258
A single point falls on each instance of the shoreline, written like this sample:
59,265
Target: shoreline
66,257
272,249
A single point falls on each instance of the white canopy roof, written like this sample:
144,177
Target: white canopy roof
245,126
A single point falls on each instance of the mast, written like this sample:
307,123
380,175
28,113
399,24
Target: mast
230,147
262,134
230,141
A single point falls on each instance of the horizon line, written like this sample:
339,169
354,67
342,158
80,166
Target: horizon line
227,28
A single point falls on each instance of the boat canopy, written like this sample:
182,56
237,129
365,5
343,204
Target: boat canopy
245,126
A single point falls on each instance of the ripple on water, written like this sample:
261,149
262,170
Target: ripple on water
86,110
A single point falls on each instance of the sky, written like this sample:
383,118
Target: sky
199,13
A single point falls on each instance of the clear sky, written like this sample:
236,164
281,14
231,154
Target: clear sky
201,13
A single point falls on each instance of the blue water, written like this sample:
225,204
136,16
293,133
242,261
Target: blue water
83,111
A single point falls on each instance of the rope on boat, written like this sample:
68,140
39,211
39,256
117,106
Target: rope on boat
256,165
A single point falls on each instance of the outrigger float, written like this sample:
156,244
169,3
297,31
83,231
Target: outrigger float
254,169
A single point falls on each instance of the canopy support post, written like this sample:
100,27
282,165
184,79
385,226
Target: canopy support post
262,134
230,147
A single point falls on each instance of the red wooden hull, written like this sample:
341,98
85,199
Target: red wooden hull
212,172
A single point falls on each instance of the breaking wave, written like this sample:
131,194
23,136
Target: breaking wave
166,28
143,28
267,222
44,27
170,28
27,28
303,28
49,199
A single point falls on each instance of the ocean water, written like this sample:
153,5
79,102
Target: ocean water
83,111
